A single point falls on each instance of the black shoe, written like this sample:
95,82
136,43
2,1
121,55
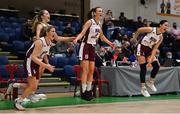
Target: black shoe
87,95
84,96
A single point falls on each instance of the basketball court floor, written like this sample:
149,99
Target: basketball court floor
138,104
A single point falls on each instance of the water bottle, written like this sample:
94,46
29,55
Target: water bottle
97,91
113,63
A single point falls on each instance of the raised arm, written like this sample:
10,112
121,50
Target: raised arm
38,31
85,28
63,39
141,30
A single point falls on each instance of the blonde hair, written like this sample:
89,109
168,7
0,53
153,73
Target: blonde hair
37,19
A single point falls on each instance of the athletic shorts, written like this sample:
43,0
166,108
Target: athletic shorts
31,68
87,52
143,50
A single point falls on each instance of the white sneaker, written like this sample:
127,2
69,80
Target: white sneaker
34,98
145,92
26,102
151,86
41,96
19,104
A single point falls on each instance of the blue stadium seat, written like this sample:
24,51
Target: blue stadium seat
4,74
21,20
59,32
61,62
2,18
73,60
16,25
58,23
12,19
18,46
4,37
5,24
69,71
53,61
3,60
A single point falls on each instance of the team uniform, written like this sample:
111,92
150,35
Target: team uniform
145,47
31,68
87,48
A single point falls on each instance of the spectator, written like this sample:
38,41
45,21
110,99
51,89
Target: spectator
125,49
68,30
176,34
139,22
118,55
27,30
146,23
107,22
168,61
122,19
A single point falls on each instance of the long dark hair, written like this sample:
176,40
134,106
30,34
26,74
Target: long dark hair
37,19
92,12
162,22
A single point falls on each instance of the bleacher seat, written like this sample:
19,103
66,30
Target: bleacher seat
69,71
21,20
4,37
73,60
2,18
3,60
12,19
61,62
5,24
18,45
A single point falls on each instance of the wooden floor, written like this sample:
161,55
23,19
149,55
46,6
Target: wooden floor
155,106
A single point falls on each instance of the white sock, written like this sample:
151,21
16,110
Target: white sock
89,85
84,87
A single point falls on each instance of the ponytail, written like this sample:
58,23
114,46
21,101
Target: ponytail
91,13
37,18
35,21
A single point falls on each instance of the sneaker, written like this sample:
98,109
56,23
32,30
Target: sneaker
26,102
18,103
145,92
87,95
83,95
151,86
41,96
34,98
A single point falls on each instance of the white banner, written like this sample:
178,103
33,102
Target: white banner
168,7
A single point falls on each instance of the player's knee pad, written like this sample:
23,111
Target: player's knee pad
155,69
143,72
155,65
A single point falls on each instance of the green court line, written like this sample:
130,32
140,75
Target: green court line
65,101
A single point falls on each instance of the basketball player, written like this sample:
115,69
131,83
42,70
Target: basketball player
40,23
34,59
146,51
90,33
